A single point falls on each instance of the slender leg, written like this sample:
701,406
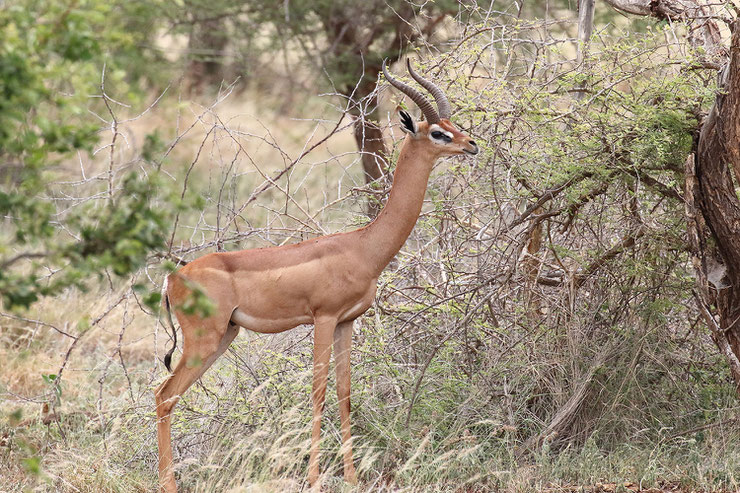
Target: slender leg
342,346
323,334
198,355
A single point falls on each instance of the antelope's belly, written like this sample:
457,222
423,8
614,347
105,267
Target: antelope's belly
268,325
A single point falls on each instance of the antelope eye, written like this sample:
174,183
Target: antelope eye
436,134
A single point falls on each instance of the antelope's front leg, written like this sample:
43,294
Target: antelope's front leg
342,346
322,339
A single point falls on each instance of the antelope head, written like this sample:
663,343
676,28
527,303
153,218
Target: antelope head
437,130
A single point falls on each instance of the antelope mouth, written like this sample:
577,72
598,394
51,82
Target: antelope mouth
472,153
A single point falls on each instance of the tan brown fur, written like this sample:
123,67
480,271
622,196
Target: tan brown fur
327,281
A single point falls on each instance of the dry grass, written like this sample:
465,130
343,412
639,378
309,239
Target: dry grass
244,428
249,432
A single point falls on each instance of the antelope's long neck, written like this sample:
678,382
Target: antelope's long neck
384,237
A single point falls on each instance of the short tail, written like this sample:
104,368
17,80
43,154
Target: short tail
168,356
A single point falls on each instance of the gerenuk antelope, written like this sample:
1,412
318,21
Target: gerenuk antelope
327,281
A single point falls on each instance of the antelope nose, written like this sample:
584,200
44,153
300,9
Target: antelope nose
474,146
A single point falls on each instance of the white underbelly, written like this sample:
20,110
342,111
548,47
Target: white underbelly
267,325
275,325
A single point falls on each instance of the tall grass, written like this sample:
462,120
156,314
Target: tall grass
466,376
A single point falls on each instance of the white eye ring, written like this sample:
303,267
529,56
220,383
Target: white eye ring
439,135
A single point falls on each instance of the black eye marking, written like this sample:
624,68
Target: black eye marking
436,134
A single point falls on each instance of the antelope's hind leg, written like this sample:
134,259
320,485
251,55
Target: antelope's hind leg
342,346
201,347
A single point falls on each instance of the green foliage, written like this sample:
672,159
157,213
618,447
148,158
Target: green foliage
118,236
496,355
33,465
197,302
54,385
51,60
649,130
346,40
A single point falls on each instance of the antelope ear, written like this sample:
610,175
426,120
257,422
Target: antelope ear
408,124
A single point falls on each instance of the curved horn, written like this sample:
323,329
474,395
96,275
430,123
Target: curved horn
417,97
442,102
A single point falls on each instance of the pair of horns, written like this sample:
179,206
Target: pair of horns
426,107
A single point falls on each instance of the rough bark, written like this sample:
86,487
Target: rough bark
709,273
716,197
712,202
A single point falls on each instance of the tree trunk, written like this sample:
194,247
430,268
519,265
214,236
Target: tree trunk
529,263
718,154
369,138
714,238
585,25
368,135
206,46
